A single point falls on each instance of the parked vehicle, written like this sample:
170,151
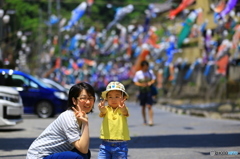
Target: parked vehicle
56,85
37,97
51,83
11,106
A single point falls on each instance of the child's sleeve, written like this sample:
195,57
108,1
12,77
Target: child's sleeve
101,115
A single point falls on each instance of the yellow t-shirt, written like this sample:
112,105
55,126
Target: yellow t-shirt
114,125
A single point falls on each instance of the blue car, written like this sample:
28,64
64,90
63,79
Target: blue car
37,97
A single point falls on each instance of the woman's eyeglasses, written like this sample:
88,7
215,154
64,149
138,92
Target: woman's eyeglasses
85,99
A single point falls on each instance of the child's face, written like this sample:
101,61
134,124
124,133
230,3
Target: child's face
114,98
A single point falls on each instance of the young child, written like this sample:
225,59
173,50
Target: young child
114,128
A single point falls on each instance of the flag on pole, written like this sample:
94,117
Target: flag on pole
230,5
183,5
53,19
77,14
187,26
120,13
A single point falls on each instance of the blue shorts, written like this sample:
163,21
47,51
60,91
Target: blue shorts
112,150
145,98
69,154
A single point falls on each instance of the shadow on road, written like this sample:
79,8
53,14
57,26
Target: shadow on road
12,156
163,141
10,129
180,141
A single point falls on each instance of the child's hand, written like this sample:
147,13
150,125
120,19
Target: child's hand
80,115
101,106
122,104
123,107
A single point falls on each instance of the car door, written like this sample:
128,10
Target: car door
29,91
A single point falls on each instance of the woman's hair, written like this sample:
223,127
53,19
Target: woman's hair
76,89
144,63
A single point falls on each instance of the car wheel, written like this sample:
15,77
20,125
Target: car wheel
44,109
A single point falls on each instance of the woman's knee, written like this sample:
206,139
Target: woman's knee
149,106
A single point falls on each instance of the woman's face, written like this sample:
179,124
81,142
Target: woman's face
145,68
114,98
84,101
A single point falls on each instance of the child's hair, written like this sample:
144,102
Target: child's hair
76,89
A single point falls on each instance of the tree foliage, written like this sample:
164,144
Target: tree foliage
31,14
30,17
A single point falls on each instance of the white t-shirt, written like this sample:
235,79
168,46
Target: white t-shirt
57,137
141,76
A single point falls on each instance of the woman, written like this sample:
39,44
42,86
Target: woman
144,78
68,135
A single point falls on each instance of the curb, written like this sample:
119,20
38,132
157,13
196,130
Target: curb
200,113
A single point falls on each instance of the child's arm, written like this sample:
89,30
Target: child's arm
102,108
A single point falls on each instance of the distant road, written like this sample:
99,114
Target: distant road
172,137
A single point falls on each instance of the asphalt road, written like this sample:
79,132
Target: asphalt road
172,136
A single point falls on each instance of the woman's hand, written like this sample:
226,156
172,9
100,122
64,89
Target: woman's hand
80,115
149,83
82,144
145,84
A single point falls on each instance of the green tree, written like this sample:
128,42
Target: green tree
31,15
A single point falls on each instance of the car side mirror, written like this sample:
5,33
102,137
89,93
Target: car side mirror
25,87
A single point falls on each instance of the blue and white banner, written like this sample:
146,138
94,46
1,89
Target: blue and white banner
77,14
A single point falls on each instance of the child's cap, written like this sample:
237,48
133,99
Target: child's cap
114,86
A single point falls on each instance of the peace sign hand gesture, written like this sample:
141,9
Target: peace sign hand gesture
101,106
123,107
122,104
80,115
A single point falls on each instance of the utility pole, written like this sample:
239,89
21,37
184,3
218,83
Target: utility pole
59,33
1,35
49,15
39,44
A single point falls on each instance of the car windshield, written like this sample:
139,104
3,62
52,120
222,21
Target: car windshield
52,84
41,83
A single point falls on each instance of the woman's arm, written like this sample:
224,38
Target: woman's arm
153,78
141,84
151,82
82,144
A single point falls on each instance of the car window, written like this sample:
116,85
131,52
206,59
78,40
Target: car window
12,80
33,84
3,80
18,81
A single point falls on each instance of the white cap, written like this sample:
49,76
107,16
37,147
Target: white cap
114,86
